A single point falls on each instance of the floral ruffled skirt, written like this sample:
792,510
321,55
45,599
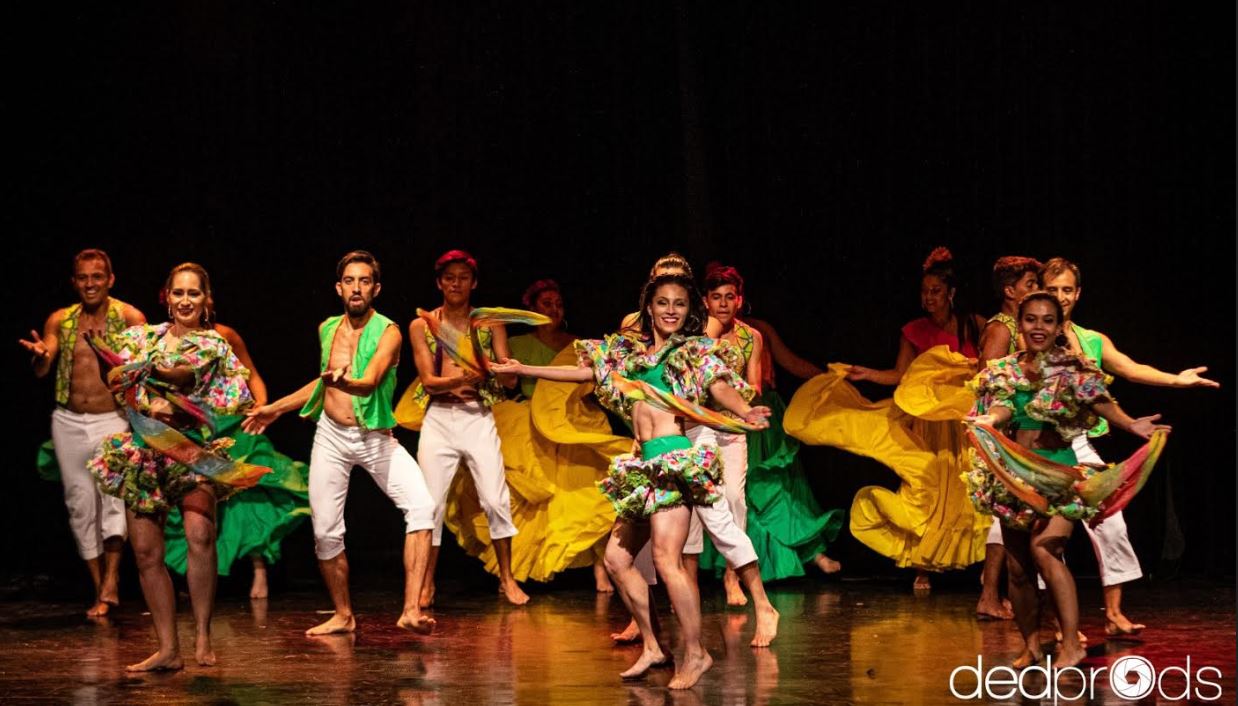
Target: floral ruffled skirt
147,481
991,496
669,472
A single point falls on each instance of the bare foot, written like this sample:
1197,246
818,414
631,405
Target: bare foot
993,610
337,624
258,589
203,653
767,626
1027,659
427,595
734,594
512,591
1069,656
601,579
416,621
921,584
644,663
826,564
630,634
689,673
158,662
1078,636
100,609
1117,625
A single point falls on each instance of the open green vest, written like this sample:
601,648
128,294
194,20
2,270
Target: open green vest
1093,346
374,410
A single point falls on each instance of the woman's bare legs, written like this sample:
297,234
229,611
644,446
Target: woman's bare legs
626,540
1048,543
146,538
669,531
1021,574
198,510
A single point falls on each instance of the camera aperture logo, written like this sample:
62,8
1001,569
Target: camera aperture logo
1131,678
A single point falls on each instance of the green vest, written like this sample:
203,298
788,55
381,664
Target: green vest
1092,346
67,335
1008,321
374,410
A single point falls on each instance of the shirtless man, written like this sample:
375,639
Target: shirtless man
86,414
1014,277
458,424
360,350
1114,553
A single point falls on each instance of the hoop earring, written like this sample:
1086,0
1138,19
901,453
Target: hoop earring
170,316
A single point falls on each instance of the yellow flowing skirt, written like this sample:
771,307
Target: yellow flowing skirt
555,449
928,523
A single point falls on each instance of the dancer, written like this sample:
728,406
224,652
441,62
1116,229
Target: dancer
458,424
669,264
562,520
783,520
1051,396
928,524
671,473
175,379
1013,278
351,403
254,523
1114,553
85,414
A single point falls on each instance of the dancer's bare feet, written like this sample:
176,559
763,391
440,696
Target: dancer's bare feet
1068,655
100,609
921,584
1117,625
158,662
202,651
629,634
646,661
826,564
767,626
993,610
335,625
734,594
512,591
1027,659
427,595
258,589
689,673
416,621
601,579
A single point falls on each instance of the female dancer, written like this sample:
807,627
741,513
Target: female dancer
651,493
1048,397
174,378
784,521
928,524
254,523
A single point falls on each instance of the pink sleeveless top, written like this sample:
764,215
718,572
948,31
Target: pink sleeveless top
924,334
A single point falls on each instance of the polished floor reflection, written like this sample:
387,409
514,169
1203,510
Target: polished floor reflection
849,642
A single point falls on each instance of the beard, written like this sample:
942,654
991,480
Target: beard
356,307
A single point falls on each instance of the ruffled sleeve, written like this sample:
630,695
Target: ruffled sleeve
219,377
133,343
995,386
606,356
1069,386
699,362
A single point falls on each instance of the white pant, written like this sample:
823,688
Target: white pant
464,431
730,541
337,449
733,448
1114,554
93,516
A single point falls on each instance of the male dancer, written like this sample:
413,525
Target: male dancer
458,425
1114,553
1013,278
360,350
85,415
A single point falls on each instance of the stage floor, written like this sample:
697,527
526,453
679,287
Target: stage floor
841,642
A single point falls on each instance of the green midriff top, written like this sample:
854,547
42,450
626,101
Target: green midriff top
655,376
1019,417
663,444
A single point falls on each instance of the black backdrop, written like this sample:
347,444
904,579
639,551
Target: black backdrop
823,149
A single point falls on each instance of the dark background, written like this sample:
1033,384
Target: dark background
823,150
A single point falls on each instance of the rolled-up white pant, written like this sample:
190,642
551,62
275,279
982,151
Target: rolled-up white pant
730,541
464,431
93,516
1114,554
733,448
337,449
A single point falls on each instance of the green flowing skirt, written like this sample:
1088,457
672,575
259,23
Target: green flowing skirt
787,526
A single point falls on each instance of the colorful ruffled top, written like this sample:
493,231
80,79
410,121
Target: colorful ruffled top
1061,395
690,366
219,377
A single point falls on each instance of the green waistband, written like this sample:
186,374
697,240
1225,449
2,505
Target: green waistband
1064,456
656,447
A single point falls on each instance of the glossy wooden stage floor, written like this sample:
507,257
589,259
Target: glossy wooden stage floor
842,642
